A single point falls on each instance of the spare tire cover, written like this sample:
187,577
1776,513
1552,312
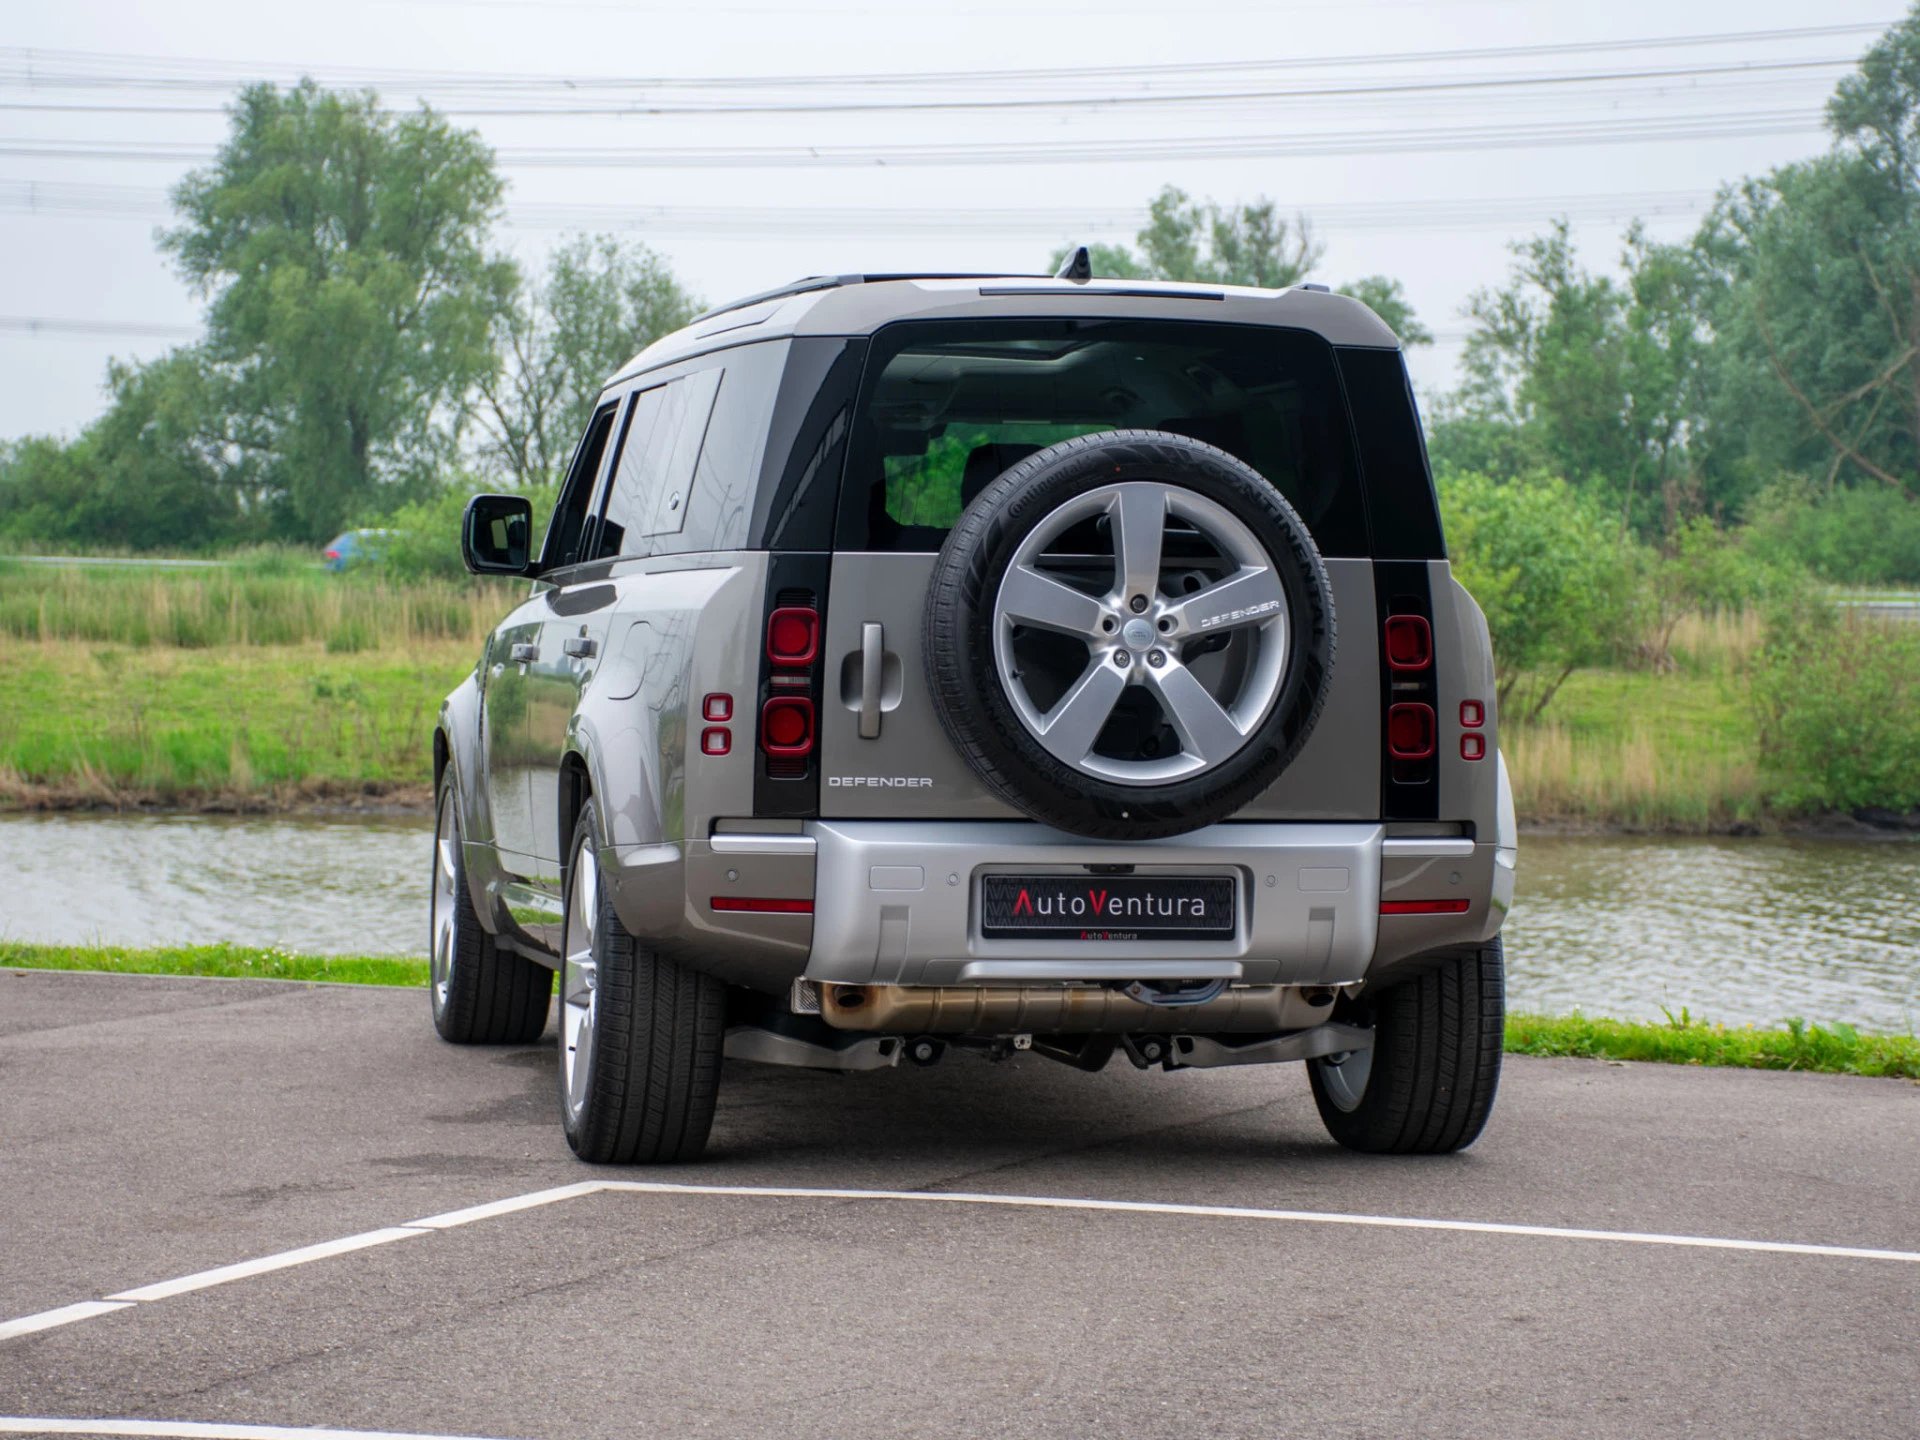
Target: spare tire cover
1129,634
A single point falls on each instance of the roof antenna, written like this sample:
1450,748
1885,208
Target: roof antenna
1078,266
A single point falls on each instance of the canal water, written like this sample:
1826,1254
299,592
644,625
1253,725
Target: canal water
1738,931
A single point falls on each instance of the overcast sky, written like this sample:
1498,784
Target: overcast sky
1408,148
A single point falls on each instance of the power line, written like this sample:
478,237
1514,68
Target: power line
1447,87
1135,149
29,66
125,329
62,198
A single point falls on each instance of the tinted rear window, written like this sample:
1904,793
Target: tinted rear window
945,406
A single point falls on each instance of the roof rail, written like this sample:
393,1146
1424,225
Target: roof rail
834,282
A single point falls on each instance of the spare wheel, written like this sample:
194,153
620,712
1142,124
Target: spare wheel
1129,634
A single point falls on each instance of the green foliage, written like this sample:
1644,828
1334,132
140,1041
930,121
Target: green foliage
1838,701
351,298
1551,572
141,477
1593,376
1864,535
600,303
1836,1050
425,544
1252,244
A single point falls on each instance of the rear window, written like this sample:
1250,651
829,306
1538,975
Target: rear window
946,406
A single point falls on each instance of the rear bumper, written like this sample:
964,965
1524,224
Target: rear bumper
899,903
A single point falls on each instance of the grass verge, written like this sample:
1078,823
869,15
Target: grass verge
225,961
1839,1050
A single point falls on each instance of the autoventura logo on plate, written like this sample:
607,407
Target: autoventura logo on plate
1063,907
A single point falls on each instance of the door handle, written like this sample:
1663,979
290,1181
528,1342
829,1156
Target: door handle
872,656
580,647
522,653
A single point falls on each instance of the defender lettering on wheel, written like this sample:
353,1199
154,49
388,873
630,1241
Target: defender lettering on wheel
938,665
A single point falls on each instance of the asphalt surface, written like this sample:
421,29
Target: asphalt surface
151,1127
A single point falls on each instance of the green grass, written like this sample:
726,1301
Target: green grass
1839,1049
218,960
108,723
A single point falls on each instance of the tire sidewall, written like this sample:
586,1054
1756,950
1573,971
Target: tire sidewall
578,1128
965,681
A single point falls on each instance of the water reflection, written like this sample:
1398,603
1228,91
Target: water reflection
1735,930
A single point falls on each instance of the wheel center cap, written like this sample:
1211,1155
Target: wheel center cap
1138,634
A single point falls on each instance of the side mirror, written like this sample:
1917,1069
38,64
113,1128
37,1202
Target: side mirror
496,535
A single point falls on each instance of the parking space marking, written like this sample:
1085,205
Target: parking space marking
284,1260
65,1315
195,1430
512,1204
1313,1217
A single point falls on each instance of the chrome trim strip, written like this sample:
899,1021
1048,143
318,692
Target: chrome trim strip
734,842
1424,847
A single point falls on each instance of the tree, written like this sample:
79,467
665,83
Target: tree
1590,377
351,296
147,475
1250,244
562,339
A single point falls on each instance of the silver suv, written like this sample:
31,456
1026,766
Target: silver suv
919,664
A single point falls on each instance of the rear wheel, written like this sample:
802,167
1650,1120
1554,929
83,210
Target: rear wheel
1427,1084
481,994
640,1036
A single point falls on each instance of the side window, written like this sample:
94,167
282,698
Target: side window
653,479
566,529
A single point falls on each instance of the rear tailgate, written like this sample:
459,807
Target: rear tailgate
910,771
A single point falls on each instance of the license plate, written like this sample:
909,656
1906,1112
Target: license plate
1107,907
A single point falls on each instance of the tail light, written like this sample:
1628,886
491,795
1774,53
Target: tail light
333,554
786,727
793,635
789,703
1409,642
1410,730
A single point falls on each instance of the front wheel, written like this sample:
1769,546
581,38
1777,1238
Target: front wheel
1426,1085
640,1037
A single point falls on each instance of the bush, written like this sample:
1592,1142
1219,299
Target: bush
426,539
1850,537
1559,584
1838,699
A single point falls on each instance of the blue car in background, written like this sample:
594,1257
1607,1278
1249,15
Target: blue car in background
354,547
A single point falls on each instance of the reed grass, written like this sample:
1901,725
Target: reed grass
241,605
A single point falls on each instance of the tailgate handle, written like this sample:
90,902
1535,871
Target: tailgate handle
872,656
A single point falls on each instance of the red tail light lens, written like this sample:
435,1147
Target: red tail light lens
1423,907
1409,642
753,905
1410,731
793,636
786,726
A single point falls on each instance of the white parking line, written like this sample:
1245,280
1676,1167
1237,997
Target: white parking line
195,1430
65,1315
452,1219
284,1260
